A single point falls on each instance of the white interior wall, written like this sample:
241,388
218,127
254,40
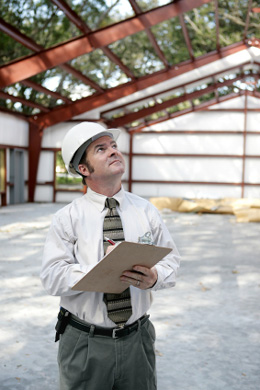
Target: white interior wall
206,120
188,191
13,131
252,170
252,192
163,168
200,169
66,197
53,135
45,168
44,193
187,169
225,144
253,144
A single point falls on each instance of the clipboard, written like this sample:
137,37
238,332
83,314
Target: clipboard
105,276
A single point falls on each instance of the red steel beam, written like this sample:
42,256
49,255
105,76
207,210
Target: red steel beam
200,132
40,88
118,62
193,182
217,25
186,36
92,102
83,27
190,155
249,9
30,44
180,86
244,147
18,36
86,80
130,164
57,55
150,35
200,107
234,110
14,113
133,116
72,15
5,96
34,149
3,192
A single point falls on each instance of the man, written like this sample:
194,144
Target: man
106,342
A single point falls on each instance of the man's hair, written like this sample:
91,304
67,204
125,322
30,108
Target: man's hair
85,161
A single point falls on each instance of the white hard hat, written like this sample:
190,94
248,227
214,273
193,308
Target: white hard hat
78,139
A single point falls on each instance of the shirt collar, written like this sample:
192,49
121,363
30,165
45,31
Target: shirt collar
99,200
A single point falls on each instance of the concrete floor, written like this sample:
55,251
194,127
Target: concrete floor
208,326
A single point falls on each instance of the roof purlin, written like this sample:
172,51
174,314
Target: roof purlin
179,86
82,26
199,107
150,35
66,51
95,101
25,102
186,36
247,18
30,44
133,116
217,24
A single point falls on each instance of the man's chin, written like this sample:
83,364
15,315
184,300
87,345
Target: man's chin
118,164
118,169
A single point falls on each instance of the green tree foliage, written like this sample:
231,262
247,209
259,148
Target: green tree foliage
44,23
62,178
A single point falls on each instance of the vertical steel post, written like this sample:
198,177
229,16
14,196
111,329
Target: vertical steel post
244,149
130,162
54,177
35,141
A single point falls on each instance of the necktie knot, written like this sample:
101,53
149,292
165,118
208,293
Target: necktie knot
110,203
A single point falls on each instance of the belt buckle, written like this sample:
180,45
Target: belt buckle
114,336
120,327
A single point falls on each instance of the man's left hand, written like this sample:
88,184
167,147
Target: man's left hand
141,277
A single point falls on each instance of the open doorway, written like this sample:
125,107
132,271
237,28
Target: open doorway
16,176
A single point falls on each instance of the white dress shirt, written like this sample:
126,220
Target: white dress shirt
74,245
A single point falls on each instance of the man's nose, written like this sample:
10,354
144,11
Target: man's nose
112,151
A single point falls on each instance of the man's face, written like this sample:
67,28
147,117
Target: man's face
104,159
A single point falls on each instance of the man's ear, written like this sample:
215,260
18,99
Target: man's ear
84,170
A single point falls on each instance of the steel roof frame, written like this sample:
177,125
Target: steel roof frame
113,94
59,54
43,59
146,19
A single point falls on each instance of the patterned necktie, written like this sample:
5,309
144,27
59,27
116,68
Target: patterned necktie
119,307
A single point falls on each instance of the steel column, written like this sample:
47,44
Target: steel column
35,140
130,162
244,149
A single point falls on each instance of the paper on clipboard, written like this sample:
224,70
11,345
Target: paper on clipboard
105,276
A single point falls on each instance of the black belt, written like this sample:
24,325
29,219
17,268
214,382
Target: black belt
115,333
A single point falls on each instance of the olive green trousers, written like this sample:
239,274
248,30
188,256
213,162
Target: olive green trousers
89,362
